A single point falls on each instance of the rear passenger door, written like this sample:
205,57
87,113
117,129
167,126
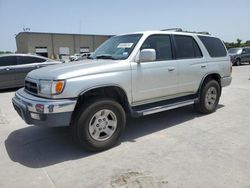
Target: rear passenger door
191,63
25,64
7,71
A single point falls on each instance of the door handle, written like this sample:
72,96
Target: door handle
171,69
35,66
203,66
7,69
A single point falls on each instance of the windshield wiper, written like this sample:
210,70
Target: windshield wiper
105,56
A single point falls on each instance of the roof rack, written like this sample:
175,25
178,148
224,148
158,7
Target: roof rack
180,30
173,29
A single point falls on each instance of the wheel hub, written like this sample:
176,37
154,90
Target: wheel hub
211,97
102,125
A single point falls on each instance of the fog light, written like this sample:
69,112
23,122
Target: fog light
40,108
35,116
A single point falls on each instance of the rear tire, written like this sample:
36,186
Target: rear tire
209,97
99,124
237,62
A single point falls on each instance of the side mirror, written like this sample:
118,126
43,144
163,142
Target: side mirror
243,52
147,55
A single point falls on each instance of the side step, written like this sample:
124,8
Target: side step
151,109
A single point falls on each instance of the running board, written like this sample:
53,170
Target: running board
162,108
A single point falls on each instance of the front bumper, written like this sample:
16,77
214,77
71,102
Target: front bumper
43,112
225,81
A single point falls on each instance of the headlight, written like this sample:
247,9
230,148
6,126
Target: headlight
48,87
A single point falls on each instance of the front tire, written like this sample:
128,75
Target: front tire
209,97
99,124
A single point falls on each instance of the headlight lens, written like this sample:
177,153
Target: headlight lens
48,87
45,87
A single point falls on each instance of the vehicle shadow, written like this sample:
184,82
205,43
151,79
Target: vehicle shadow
37,147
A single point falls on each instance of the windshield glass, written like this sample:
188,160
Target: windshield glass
234,50
117,47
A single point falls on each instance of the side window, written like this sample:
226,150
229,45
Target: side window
22,60
246,50
162,46
186,47
214,46
38,60
7,61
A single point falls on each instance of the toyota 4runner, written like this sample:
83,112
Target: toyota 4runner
138,74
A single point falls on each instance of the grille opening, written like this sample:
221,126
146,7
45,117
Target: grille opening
31,87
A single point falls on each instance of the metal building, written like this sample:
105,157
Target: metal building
57,45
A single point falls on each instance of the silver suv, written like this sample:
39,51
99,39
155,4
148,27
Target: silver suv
138,74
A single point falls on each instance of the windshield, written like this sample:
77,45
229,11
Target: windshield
234,50
117,47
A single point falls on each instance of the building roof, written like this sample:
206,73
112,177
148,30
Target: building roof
42,33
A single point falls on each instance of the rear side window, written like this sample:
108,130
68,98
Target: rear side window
162,46
186,47
28,60
7,61
214,46
248,50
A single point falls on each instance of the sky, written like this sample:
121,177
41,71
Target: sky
227,19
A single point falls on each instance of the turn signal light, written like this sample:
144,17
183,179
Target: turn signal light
59,86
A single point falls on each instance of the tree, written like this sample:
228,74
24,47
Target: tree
238,41
247,43
5,52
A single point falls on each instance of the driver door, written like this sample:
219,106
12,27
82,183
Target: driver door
156,79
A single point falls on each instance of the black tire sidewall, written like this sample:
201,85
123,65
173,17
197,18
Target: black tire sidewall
209,84
201,105
84,117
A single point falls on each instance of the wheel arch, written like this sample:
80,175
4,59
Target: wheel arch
104,91
210,76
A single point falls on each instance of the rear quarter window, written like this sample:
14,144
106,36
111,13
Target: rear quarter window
214,46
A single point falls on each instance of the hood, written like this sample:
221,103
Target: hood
76,69
232,54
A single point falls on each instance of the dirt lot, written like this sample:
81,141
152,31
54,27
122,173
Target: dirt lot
177,148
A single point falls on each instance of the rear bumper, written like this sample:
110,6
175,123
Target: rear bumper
43,112
225,81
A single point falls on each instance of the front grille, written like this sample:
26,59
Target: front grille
31,86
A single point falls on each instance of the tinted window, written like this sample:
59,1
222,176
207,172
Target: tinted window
7,61
162,46
27,60
247,50
214,46
186,47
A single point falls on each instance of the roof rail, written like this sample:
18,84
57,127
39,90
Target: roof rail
173,29
180,30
